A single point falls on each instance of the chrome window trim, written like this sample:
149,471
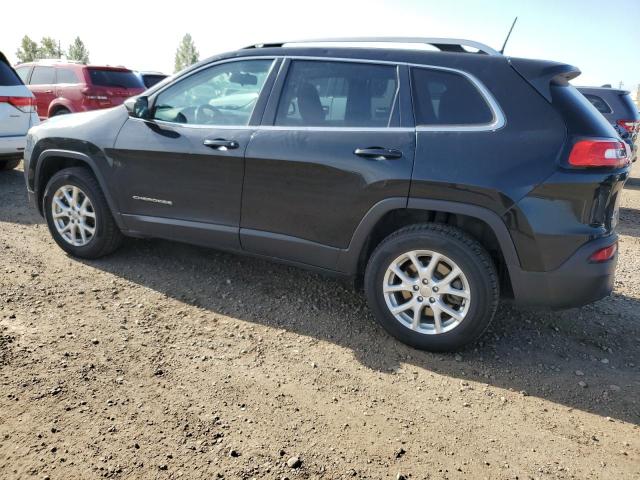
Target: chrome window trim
205,67
498,122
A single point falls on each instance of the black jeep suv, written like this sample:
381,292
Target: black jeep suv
442,179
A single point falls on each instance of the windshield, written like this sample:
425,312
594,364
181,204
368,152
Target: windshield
115,78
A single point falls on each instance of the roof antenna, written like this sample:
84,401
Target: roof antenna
508,35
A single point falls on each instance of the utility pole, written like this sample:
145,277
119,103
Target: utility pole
620,85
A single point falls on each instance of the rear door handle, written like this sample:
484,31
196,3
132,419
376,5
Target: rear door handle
220,144
378,153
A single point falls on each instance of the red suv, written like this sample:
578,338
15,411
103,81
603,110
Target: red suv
66,87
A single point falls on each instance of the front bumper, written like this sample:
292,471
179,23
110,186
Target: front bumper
575,283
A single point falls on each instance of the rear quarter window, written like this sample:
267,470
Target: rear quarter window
8,77
66,75
447,98
598,102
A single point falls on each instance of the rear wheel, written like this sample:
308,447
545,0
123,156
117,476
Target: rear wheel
61,111
9,164
78,215
432,287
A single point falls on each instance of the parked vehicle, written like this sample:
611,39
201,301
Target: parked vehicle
440,180
17,115
62,87
617,107
149,79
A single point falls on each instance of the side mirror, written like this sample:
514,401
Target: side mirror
138,107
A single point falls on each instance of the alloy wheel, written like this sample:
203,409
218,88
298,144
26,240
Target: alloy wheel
426,292
73,215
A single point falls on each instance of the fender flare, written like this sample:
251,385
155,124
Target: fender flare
84,158
348,259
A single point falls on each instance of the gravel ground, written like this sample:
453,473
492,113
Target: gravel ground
166,360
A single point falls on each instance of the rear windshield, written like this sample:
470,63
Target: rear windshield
150,80
630,107
8,78
114,78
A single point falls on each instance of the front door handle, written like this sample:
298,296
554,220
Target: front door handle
378,153
220,144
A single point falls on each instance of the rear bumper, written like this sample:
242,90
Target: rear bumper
12,147
575,283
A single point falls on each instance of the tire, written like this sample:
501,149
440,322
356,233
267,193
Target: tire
9,164
106,236
477,280
61,111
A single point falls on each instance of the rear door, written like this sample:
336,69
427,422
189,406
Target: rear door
43,86
331,146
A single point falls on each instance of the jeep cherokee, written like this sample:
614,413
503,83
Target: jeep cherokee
441,180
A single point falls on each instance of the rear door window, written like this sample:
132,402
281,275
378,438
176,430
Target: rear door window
338,94
114,78
447,98
66,75
598,102
23,73
8,78
43,76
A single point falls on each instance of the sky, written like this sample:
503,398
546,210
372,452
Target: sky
144,35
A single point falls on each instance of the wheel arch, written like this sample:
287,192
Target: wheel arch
52,161
390,215
59,104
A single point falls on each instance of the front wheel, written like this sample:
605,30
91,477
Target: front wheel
432,286
78,215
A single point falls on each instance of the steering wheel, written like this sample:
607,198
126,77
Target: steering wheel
203,118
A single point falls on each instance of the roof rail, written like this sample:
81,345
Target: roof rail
443,44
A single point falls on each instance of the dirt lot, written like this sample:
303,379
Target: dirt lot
166,361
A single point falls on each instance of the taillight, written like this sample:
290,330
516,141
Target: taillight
599,153
24,104
629,125
604,254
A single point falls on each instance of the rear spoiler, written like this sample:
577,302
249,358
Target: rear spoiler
541,74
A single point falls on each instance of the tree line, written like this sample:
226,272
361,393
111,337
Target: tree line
29,51
49,47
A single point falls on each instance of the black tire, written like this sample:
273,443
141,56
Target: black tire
467,253
107,236
9,164
61,111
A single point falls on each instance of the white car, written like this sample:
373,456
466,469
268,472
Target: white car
17,115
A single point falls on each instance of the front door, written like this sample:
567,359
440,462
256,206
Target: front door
332,149
181,172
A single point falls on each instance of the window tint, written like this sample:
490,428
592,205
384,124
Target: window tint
337,94
8,77
223,94
447,98
42,76
598,102
114,78
151,79
23,73
66,75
